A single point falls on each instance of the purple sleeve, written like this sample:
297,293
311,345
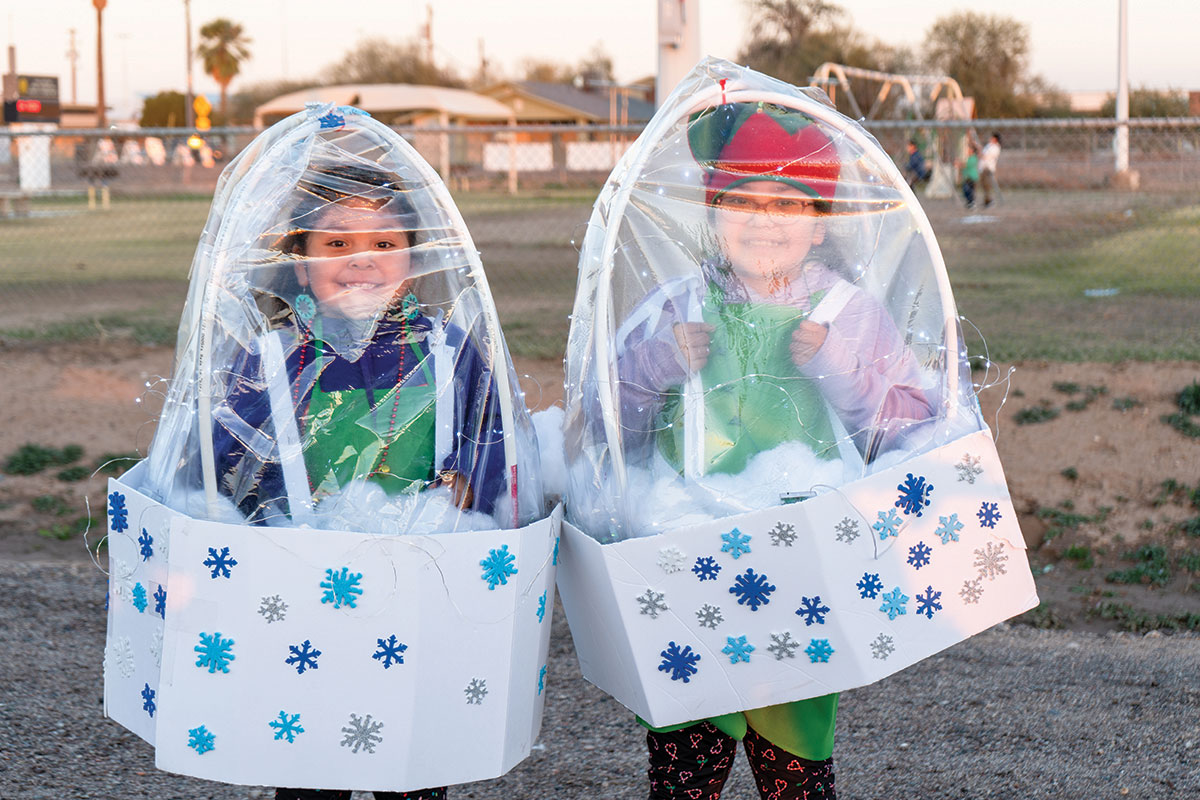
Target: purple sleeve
649,363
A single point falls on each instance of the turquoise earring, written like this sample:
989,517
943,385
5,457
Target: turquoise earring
410,307
305,308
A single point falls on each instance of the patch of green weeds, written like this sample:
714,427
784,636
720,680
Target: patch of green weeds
978,363
30,459
1043,617
73,474
1150,567
1070,473
67,530
50,504
1136,621
1189,399
1147,524
1182,423
1060,520
1065,387
1080,589
1035,414
1081,554
1125,403
1189,561
1190,526
1172,491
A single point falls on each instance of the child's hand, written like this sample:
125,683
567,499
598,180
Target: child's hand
806,341
693,339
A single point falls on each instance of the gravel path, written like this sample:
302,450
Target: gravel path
1012,713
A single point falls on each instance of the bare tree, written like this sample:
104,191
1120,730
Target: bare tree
378,60
988,55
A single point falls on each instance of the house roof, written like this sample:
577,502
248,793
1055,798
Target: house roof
395,98
593,105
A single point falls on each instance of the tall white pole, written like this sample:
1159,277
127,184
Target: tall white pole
678,44
188,112
1122,141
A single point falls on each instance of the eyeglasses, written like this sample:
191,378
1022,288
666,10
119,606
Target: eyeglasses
785,207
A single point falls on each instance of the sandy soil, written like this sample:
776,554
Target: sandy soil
103,397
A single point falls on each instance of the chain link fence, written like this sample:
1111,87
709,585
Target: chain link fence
1072,262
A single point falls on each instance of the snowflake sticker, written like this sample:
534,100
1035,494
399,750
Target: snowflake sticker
139,598
652,602
160,601
118,512
201,740
671,559
894,603
362,734
476,690
219,563
819,650
752,590
948,528
554,560
120,656
341,588
847,530
989,514
782,534
332,120
121,576
542,679
287,726
783,646
156,646
812,610
706,568
498,566
709,616
390,651
148,700
990,561
882,647
736,544
928,603
214,652
304,656
968,469
738,649
888,524
971,591
272,609
914,495
918,555
146,545
680,663
541,609
870,586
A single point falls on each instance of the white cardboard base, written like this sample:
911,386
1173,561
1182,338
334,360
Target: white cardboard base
824,625
453,632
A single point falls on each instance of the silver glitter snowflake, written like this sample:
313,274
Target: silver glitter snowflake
847,530
783,645
783,534
882,647
709,616
121,580
476,690
156,645
273,609
671,559
972,591
120,656
968,468
990,561
652,602
362,734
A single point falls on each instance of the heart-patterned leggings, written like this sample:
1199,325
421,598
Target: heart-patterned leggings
693,763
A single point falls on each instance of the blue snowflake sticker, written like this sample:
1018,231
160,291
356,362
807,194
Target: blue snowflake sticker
148,700
287,726
812,610
214,652
146,545
737,649
391,651
118,512
914,495
139,598
331,120
201,740
160,601
752,590
554,559
304,656
541,609
498,566
918,555
894,603
870,586
819,650
928,603
341,588
706,568
948,528
989,514
680,663
219,563
542,679
736,544
888,524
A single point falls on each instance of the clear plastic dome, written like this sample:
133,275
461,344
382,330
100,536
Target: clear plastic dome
762,314
340,362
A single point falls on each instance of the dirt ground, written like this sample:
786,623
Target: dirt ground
1087,483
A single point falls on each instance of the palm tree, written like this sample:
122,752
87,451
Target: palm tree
223,49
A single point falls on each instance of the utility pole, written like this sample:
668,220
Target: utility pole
429,34
189,114
101,113
73,57
1123,177
678,44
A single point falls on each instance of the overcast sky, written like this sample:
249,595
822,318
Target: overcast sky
1073,41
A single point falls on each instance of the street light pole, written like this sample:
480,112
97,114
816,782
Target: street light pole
190,120
101,114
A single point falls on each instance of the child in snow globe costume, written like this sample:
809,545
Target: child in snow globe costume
759,320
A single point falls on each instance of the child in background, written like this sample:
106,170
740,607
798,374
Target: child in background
970,174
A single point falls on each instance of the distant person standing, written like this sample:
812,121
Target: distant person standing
987,169
915,170
970,174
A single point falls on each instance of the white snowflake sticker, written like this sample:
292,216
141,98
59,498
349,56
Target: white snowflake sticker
671,559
